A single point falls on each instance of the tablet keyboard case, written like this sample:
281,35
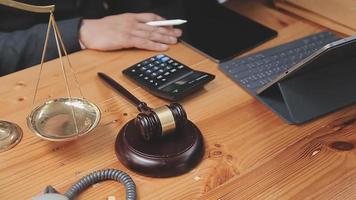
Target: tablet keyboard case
323,86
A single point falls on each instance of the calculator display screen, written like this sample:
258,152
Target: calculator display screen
220,33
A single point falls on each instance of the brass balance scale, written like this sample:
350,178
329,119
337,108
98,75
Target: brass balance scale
60,119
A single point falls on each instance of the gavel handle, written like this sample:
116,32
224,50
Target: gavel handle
141,106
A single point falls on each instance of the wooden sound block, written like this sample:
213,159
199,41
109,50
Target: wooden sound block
164,157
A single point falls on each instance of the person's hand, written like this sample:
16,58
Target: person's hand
126,31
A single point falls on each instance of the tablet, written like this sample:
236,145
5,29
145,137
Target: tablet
221,33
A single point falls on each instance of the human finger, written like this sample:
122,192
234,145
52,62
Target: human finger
143,43
163,30
147,17
155,36
170,31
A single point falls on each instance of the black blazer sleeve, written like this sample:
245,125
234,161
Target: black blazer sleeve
21,49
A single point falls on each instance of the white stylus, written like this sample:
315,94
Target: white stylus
171,22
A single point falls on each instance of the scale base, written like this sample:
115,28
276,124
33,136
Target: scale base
164,157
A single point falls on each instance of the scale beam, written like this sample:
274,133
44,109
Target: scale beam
27,7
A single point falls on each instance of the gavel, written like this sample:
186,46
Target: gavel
152,123
160,142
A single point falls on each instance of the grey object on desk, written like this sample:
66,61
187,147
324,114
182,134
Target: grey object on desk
50,196
92,178
318,83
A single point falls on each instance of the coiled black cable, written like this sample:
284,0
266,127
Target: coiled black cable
103,175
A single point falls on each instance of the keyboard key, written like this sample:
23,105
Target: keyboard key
256,70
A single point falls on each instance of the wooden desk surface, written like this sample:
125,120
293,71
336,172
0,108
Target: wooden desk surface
250,152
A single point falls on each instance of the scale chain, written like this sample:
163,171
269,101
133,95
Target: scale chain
63,69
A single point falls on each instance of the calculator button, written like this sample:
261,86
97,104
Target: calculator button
163,64
164,80
168,67
145,62
161,71
164,59
133,70
155,68
143,68
157,62
152,59
138,65
166,74
170,61
148,71
151,81
175,64
153,75
140,75
160,56
146,78
159,77
180,67
155,84
150,65
173,70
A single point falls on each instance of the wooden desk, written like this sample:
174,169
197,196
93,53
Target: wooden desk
250,152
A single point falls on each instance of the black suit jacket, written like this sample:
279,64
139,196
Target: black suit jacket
22,33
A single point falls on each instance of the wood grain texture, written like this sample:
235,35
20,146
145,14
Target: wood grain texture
341,12
314,17
250,152
319,166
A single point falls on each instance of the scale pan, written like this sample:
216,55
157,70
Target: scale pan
54,119
10,135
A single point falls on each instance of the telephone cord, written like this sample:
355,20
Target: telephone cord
103,175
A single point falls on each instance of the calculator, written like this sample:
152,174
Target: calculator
166,77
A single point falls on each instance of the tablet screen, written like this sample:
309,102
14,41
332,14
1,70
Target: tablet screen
220,33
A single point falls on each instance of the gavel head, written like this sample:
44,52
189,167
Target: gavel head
161,121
